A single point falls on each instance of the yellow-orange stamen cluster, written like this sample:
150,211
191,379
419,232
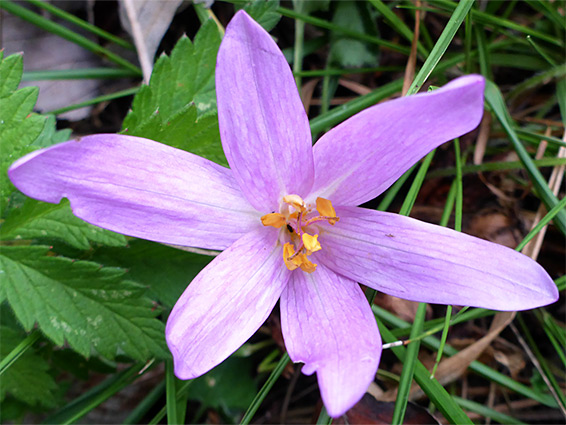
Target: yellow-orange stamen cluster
295,216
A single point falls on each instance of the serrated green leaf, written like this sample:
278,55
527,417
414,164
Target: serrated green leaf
42,220
184,130
26,379
11,70
178,107
50,135
166,271
81,303
263,12
185,77
18,129
17,106
21,131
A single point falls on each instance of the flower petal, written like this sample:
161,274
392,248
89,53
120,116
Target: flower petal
328,325
363,156
264,128
140,188
226,303
418,261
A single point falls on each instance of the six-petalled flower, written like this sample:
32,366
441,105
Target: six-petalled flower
286,216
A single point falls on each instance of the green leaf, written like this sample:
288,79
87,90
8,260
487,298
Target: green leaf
81,303
494,99
216,388
185,77
18,129
348,52
178,107
21,131
166,271
263,12
50,135
76,366
41,220
186,131
448,33
11,70
26,379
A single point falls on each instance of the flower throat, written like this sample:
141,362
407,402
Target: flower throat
297,218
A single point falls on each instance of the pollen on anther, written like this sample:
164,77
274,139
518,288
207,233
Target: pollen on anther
311,242
288,252
296,202
274,219
325,208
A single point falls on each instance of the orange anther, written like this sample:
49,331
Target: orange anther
273,219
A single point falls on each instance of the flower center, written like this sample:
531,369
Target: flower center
296,217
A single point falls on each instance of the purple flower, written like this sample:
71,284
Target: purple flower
286,216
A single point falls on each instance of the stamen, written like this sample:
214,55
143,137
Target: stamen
294,260
296,202
288,256
295,254
311,243
326,210
306,265
331,220
274,219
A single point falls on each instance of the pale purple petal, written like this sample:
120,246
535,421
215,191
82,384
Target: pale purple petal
418,261
357,160
140,188
226,303
328,325
263,126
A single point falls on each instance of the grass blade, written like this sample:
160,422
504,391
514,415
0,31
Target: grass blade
79,407
275,374
409,367
78,74
436,392
495,100
340,30
397,24
171,393
66,33
17,352
480,368
487,412
55,11
136,415
495,21
442,44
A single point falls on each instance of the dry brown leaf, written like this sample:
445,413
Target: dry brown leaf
479,152
354,86
454,367
514,361
307,91
412,61
494,226
483,137
532,249
402,308
370,411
